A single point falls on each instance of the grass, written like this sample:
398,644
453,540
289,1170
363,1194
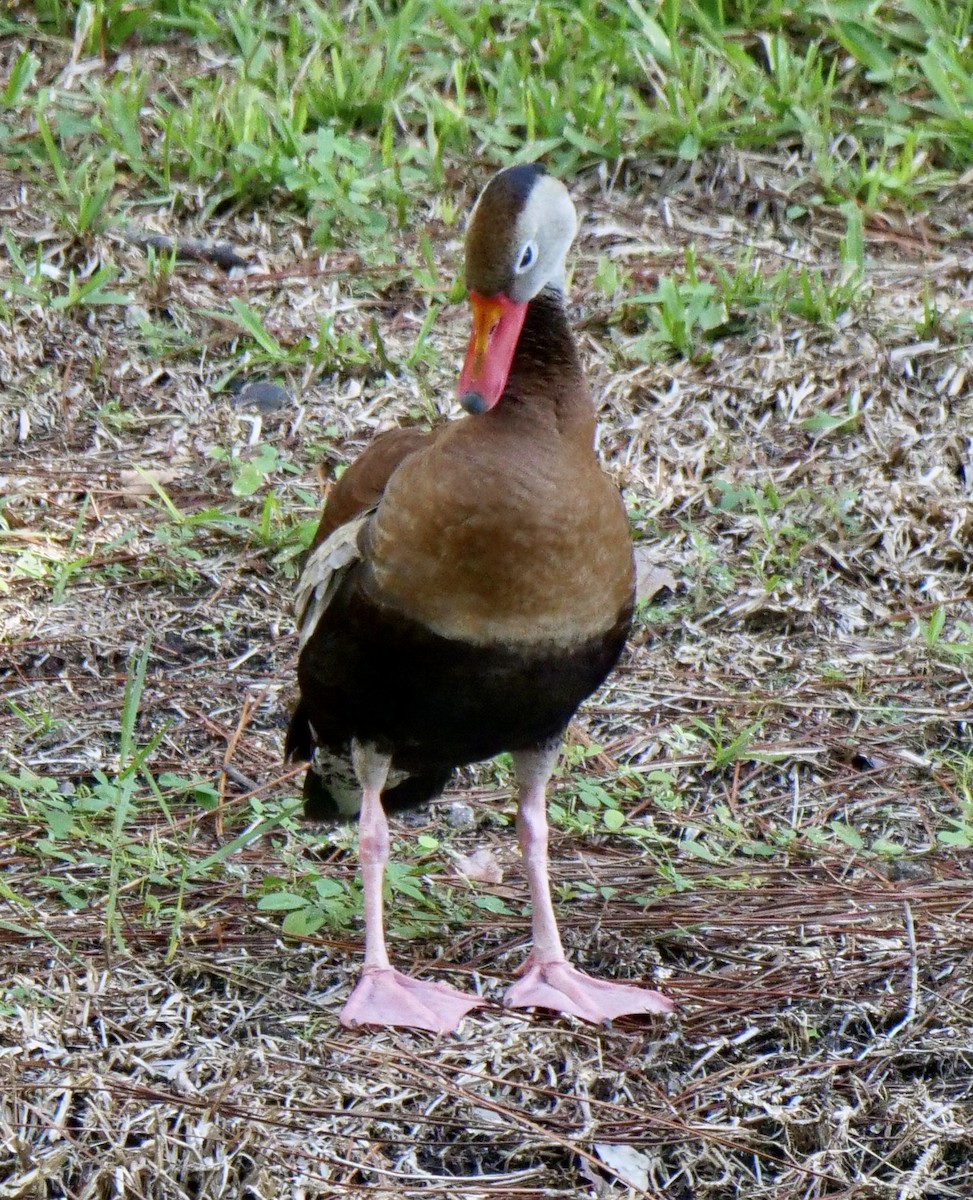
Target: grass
769,809
385,98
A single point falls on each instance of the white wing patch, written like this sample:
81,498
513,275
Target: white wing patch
323,573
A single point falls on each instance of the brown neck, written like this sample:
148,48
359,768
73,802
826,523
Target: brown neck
546,384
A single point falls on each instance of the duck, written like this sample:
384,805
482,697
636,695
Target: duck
466,590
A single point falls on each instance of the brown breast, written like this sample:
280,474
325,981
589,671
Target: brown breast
486,541
504,528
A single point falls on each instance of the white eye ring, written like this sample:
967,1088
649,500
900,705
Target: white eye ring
528,256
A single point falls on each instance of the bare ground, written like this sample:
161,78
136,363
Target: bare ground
794,893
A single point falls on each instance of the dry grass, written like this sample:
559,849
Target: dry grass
823,1039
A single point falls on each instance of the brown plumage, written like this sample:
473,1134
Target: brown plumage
361,486
467,589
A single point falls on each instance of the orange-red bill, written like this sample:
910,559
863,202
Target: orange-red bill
497,322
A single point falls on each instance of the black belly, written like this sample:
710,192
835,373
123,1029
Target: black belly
433,702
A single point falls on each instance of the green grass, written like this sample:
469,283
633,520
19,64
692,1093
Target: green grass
99,845
351,115
349,110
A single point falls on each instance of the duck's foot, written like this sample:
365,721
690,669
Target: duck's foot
385,997
559,986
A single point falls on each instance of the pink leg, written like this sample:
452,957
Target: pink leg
384,996
549,981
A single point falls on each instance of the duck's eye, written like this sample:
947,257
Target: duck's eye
527,257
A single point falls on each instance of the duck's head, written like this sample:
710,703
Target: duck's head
517,238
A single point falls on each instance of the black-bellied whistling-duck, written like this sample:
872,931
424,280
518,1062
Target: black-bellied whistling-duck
467,589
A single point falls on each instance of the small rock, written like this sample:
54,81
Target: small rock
460,816
263,396
906,869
